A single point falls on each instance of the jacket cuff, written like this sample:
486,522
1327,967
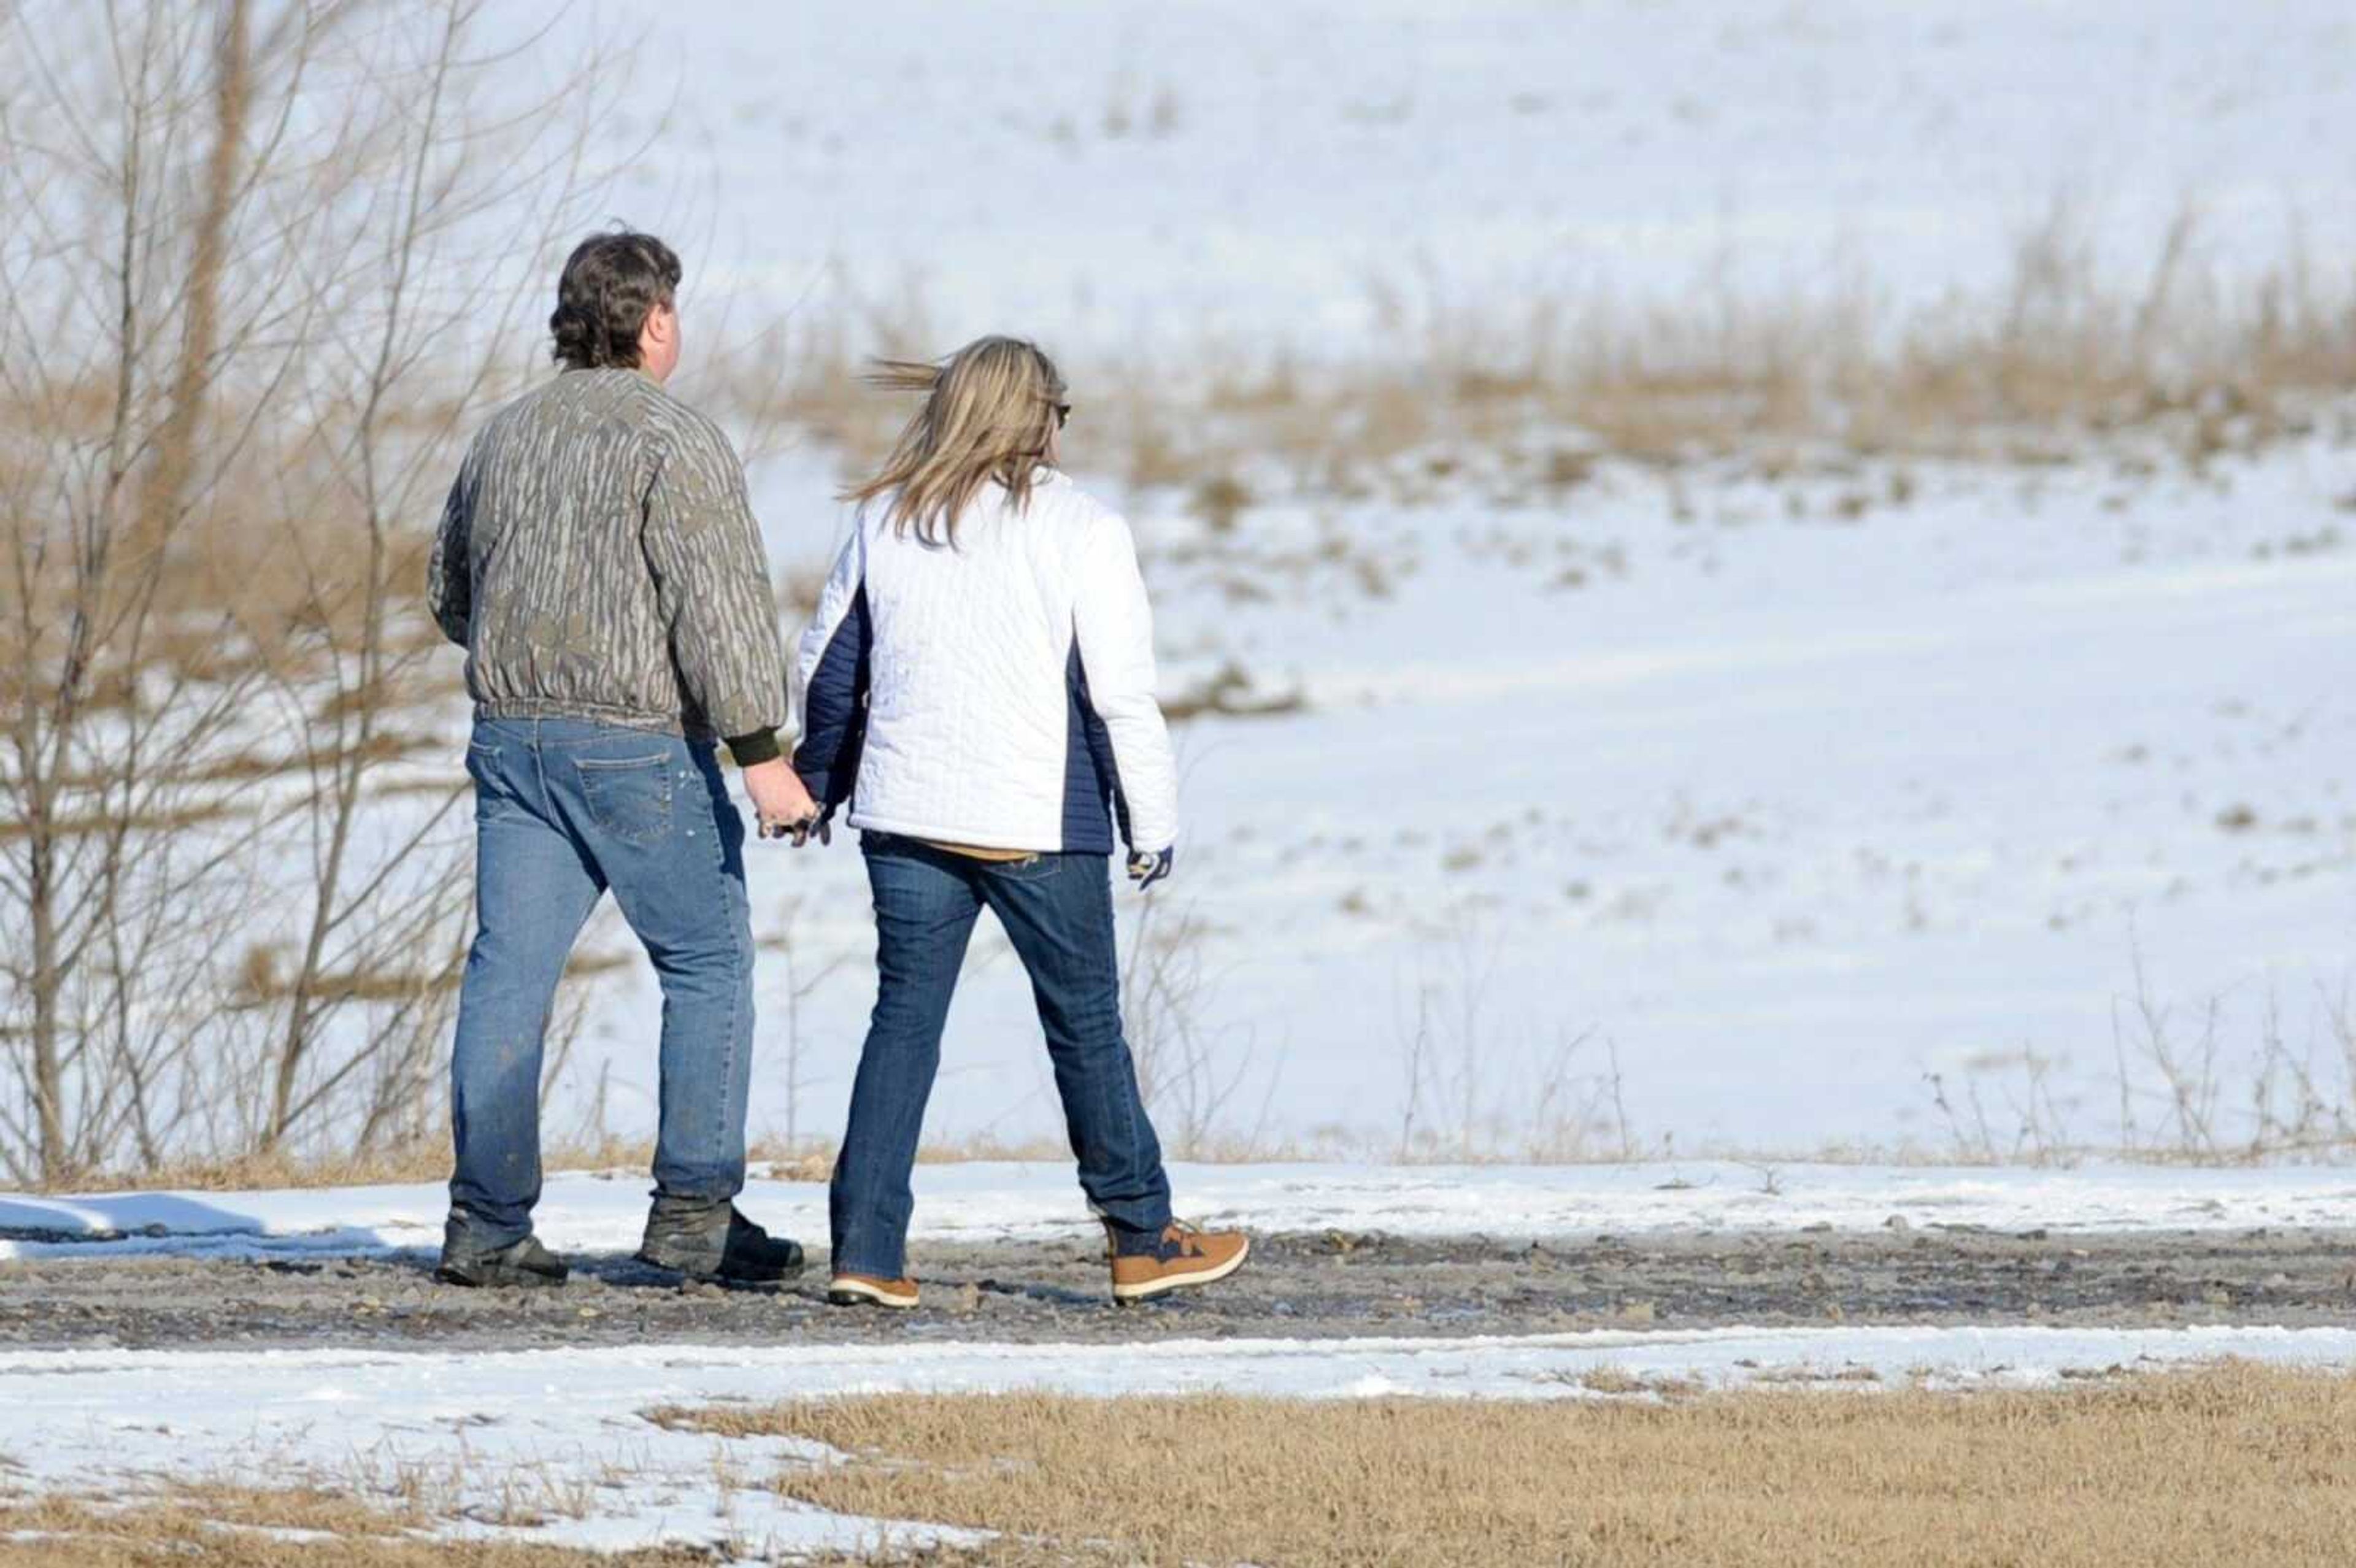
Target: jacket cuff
819,781
760,746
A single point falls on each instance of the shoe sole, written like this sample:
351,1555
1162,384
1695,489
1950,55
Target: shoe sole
1130,1295
501,1279
842,1294
717,1276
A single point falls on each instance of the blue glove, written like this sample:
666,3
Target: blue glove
1146,869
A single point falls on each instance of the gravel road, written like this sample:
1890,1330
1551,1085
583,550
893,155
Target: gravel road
1310,1285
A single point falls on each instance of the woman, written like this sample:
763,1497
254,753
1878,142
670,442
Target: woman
978,682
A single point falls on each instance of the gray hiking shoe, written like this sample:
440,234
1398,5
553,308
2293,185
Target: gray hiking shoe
524,1263
711,1242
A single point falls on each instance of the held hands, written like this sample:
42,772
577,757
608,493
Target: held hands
801,832
1145,869
783,805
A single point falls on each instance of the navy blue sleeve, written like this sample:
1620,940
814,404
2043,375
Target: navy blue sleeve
834,709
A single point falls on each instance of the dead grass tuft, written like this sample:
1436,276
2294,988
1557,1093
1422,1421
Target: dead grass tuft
1619,1382
237,1526
2229,1465
1229,692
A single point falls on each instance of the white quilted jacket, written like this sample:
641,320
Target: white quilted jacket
999,693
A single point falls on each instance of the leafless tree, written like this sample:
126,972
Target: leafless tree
117,706
248,315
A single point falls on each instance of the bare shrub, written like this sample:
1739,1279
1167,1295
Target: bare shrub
2035,1132
1187,1071
1473,1091
2216,1080
802,981
2212,1099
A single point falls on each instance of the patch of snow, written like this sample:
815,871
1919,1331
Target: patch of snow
982,1201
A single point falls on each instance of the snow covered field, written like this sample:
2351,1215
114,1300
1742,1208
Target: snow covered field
565,1435
1119,177
586,1214
1700,810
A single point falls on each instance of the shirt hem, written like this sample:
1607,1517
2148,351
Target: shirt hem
594,713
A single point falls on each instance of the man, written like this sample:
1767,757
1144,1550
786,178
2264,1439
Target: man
599,562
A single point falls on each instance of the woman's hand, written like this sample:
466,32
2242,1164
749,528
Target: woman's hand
1146,870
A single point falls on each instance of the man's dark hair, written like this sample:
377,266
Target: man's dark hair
610,283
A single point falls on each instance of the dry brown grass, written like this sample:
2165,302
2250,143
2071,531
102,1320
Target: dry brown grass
2232,1464
424,1161
428,1159
2057,355
238,1527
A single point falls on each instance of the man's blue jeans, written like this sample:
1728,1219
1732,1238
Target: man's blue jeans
563,810
1057,910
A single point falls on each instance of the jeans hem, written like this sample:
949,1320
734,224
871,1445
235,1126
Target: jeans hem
721,1193
1144,1238
837,1265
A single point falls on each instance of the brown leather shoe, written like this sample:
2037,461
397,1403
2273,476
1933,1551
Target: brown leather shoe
866,1290
1184,1256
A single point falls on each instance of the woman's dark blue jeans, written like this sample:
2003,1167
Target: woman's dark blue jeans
1057,910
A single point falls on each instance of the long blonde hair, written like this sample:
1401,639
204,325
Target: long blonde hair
988,410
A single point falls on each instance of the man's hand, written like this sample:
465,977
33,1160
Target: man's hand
779,800
1146,870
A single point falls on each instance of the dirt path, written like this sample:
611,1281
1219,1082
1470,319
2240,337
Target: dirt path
1327,1284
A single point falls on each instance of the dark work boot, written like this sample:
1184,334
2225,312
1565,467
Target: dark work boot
710,1240
524,1264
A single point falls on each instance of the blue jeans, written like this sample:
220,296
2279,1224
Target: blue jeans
563,810
1057,910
